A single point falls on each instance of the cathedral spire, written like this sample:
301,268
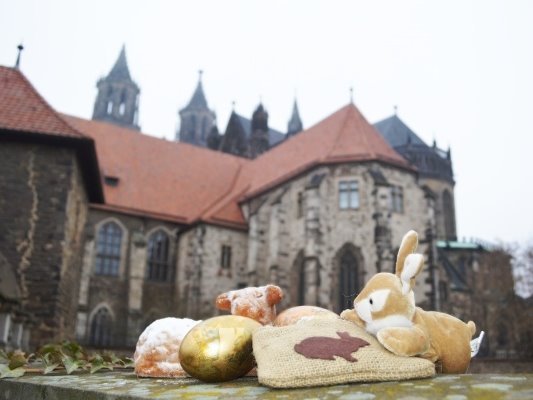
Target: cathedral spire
198,100
196,119
120,71
295,123
118,96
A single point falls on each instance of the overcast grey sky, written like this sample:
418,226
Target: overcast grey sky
461,72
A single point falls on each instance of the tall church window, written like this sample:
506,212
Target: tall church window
204,128
101,328
348,280
109,107
158,256
300,205
396,199
348,195
192,127
449,215
122,108
108,246
225,257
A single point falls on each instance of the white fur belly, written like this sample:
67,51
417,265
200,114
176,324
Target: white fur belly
392,321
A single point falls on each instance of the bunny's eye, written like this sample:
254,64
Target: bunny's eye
370,301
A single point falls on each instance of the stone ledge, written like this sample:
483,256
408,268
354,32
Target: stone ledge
125,386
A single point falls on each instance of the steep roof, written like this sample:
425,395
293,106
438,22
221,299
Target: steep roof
344,136
26,116
397,133
198,100
120,71
168,180
23,109
295,123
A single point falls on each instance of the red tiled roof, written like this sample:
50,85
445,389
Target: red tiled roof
185,183
23,109
344,136
181,182
163,179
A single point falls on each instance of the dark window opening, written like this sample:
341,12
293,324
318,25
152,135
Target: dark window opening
300,205
348,195
111,180
108,246
158,260
396,199
348,280
225,259
101,329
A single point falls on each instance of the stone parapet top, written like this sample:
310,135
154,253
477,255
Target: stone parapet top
125,385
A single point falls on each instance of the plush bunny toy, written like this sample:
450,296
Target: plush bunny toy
386,309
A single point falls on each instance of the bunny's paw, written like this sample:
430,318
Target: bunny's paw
403,341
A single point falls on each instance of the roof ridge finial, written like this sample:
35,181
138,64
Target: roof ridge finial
395,110
200,73
351,94
233,105
20,47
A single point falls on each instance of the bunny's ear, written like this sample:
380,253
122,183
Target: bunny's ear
408,246
412,267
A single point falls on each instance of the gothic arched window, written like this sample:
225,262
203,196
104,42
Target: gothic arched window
108,246
298,281
449,215
101,328
158,260
109,107
204,128
348,279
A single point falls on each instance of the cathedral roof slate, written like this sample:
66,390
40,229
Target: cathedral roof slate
274,136
120,71
198,100
397,133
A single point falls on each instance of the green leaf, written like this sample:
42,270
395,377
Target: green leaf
49,368
70,364
16,359
3,357
6,372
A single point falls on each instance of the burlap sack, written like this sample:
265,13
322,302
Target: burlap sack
337,343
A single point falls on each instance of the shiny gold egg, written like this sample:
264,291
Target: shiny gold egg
219,349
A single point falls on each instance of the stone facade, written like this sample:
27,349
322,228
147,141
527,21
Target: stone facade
42,235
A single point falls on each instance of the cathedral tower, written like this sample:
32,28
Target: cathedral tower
295,123
118,96
196,118
259,142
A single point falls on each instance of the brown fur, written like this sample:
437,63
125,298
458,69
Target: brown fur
435,336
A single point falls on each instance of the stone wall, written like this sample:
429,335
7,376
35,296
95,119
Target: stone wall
201,276
130,298
300,225
43,208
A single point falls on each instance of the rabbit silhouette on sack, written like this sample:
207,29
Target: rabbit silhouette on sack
386,309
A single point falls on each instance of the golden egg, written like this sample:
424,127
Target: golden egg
296,314
219,349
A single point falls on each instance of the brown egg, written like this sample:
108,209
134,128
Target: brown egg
219,349
295,314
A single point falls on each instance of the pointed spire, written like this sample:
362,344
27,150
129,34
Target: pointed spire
351,94
395,110
120,71
198,100
295,123
20,47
